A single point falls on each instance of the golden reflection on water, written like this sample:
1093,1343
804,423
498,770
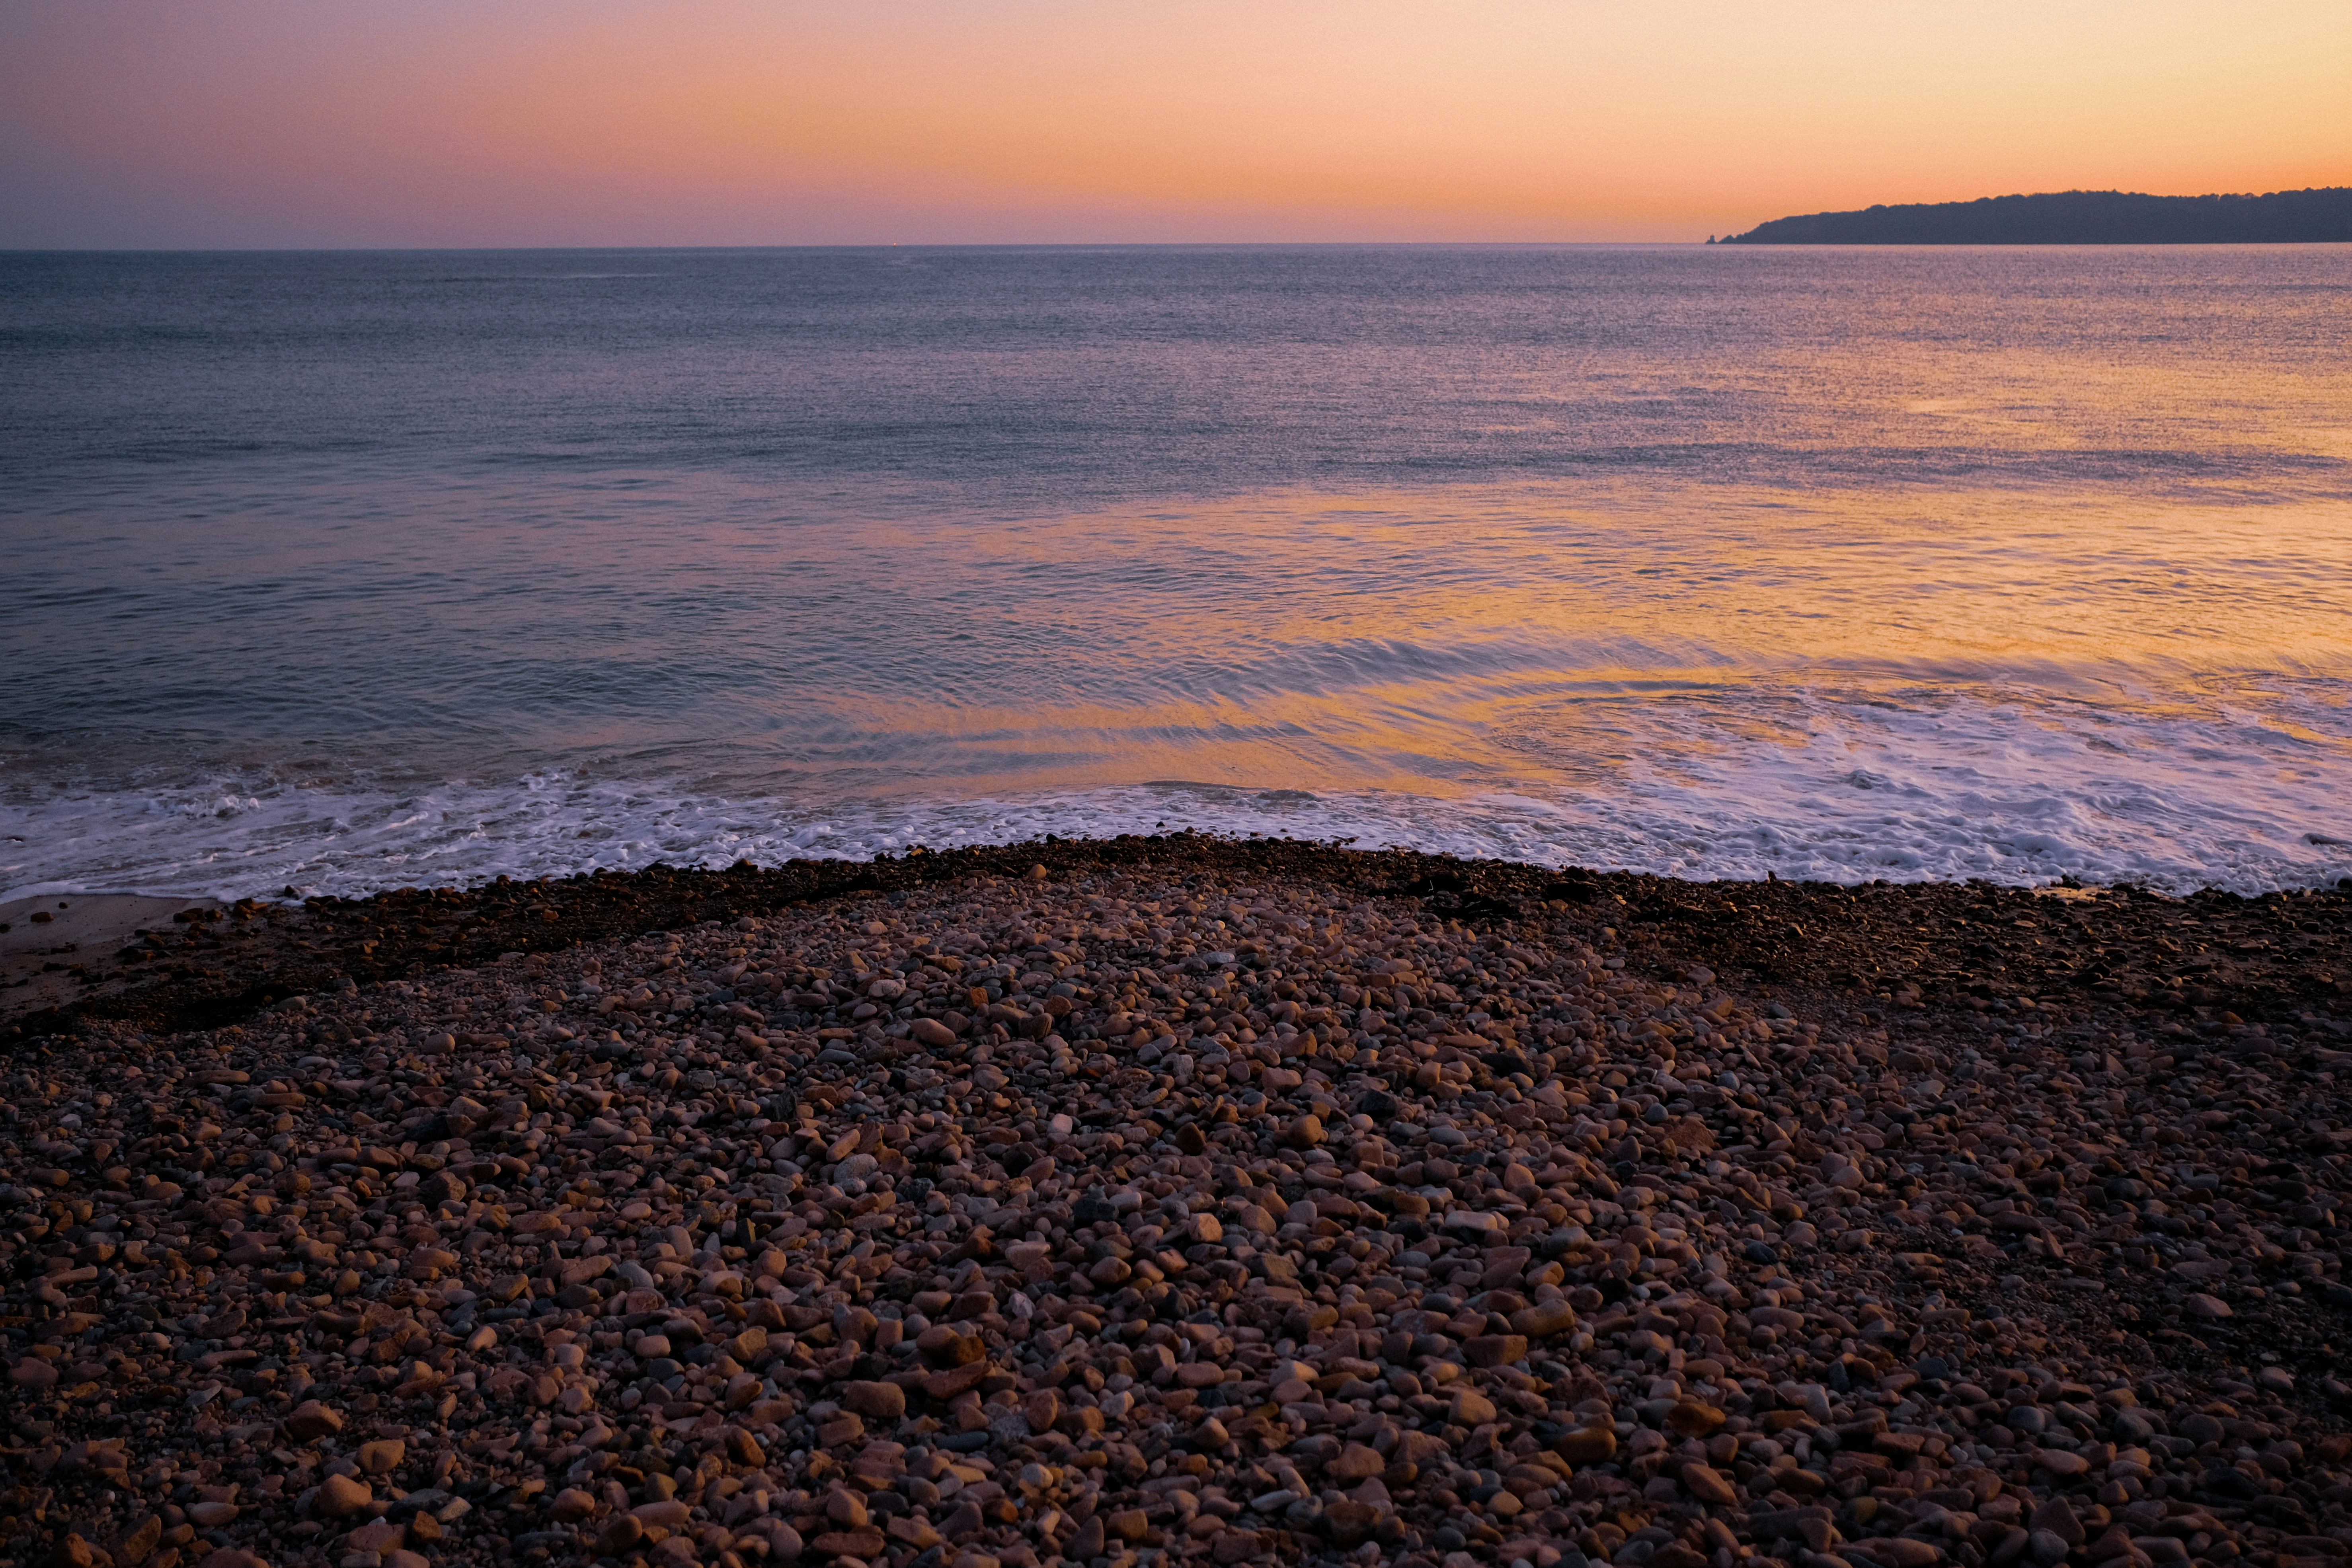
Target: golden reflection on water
1525,636
1467,639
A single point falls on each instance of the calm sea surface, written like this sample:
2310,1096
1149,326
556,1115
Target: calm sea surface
355,570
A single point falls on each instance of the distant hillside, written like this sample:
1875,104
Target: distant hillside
2077,217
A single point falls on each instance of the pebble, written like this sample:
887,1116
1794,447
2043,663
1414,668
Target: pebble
1118,1221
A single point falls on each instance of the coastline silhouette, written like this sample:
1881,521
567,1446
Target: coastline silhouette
2077,217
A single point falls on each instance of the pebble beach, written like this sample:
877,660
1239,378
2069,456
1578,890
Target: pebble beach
1159,1203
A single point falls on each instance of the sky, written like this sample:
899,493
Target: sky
300,123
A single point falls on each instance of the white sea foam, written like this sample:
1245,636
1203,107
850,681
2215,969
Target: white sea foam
1906,786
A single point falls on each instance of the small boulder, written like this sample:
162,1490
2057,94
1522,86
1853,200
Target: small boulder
1592,1445
1709,1485
875,1401
1690,1418
942,1346
1472,1408
1544,1320
382,1457
138,1543
2055,1518
1351,1523
340,1497
312,1421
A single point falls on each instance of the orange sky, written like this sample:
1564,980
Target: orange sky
419,122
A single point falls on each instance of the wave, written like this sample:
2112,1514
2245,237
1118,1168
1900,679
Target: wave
1902,785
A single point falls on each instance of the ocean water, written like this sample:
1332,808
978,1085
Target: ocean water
354,571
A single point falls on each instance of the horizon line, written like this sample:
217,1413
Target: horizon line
850,245
1707,244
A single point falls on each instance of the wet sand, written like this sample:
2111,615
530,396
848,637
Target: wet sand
50,944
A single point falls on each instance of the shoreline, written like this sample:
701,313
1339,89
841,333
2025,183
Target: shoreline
2107,953
1171,1204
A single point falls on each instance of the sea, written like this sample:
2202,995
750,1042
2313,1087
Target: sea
339,571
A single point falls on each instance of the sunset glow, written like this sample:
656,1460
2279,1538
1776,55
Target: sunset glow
268,123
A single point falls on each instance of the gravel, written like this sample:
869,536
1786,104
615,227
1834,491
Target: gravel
1121,1215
